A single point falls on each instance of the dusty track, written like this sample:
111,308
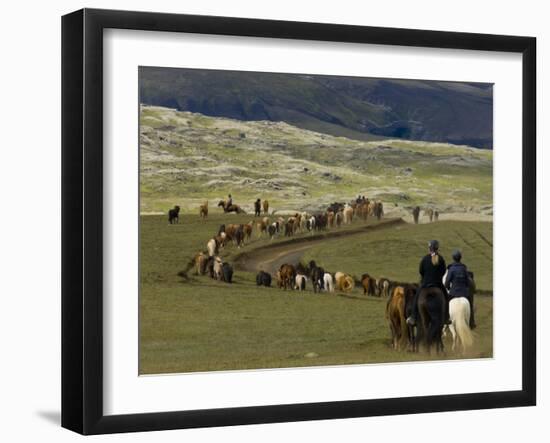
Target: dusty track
270,257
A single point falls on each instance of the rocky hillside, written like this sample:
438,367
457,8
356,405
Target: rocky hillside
187,158
357,108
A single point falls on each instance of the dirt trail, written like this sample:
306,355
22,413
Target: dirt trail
269,258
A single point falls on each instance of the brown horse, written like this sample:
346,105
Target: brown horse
363,210
197,262
378,210
248,229
230,231
286,276
400,300
203,211
430,214
431,308
369,284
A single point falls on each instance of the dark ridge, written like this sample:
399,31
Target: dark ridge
354,107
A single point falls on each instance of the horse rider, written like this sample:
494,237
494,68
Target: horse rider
458,283
432,268
229,202
257,207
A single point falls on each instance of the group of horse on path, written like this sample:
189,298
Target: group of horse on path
432,214
431,301
337,212
336,215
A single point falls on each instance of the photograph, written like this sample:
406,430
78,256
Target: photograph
301,220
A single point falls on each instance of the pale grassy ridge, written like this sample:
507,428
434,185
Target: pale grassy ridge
188,158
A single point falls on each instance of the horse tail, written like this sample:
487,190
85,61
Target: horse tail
461,321
403,321
190,264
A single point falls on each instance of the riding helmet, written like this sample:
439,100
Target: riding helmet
433,245
457,255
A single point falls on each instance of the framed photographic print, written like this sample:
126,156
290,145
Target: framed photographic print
269,221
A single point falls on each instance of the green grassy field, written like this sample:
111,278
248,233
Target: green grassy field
395,253
198,324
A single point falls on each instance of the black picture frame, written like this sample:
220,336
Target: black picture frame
82,219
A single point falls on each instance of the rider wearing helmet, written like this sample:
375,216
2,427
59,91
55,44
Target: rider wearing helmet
432,269
458,282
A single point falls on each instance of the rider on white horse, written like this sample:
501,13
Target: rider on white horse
458,283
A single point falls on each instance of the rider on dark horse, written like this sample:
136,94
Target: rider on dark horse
229,202
432,269
458,281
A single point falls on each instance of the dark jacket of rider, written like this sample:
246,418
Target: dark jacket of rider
457,280
432,275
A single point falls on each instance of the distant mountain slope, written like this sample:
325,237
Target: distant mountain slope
359,108
188,158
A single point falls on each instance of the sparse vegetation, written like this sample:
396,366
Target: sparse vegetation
187,158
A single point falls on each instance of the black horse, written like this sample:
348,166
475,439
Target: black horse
257,208
174,215
335,207
416,214
316,274
227,273
263,279
431,309
410,290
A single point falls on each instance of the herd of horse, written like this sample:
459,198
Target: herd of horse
336,213
431,301
431,304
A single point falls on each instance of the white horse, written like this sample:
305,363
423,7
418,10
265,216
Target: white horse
300,282
311,224
218,271
212,247
328,282
459,313
303,221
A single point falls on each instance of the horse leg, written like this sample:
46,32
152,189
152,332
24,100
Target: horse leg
412,338
392,330
394,333
453,335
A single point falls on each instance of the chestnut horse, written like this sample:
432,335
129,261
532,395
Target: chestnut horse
397,309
